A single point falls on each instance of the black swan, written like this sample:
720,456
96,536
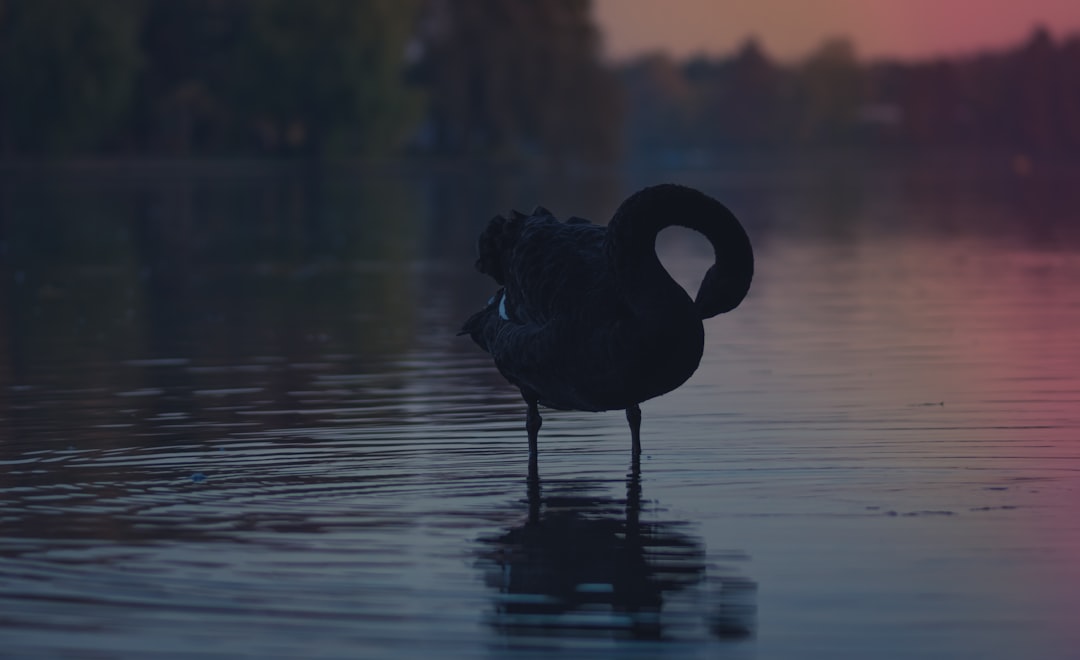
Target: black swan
588,319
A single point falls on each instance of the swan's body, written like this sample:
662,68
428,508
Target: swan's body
587,318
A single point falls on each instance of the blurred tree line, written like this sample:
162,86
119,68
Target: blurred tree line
517,78
282,77
208,77
1026,97
512,79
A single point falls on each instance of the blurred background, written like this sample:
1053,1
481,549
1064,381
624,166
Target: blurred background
563,82
144,143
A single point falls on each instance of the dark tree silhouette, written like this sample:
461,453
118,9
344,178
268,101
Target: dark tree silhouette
1026,98
507,79
517,78
67,70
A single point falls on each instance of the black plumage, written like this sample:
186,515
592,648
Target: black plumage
588,318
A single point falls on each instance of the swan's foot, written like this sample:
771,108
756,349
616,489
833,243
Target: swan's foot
633,416
532,426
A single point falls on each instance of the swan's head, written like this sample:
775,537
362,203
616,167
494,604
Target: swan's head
727,281
724,286
644,214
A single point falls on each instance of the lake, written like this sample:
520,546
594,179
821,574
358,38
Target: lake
235,419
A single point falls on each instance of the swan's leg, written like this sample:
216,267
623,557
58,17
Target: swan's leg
532,425
633,415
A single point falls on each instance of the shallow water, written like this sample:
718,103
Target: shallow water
236,419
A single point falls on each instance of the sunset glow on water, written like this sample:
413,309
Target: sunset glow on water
878,456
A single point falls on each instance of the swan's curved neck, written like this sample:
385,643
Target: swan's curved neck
632,247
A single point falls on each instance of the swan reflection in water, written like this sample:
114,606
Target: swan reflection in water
586,563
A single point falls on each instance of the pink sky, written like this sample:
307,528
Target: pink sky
790,29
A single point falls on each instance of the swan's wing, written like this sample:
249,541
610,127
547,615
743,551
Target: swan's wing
558,290
548,268
555,269
547,327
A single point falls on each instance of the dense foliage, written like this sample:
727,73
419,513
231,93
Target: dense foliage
1026,97
206,77
279,77
511,79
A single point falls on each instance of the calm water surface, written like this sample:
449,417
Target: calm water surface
235,420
